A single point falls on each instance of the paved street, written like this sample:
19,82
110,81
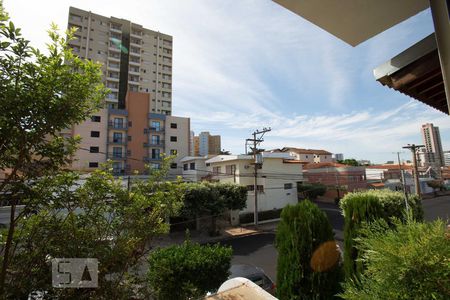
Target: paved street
259,249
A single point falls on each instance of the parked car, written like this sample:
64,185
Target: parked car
254,274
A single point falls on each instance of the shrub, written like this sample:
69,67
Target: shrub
410,261
365,207
311,190
308,259
188,271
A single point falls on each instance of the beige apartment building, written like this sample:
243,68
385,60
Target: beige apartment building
433,154
131,129
206,144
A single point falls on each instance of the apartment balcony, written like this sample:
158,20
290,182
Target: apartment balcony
116,156
134,63
135,52
115,79
117,126
137,73
113,141
133,81
114,49
113,59
134,44
119,112
156,129
159,144
152,159
115,29
113,89
136,35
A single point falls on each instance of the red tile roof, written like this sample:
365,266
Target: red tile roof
311,166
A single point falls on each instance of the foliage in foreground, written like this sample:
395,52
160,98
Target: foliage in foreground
410,261
188,271
365,207
41,94
308,259
101,219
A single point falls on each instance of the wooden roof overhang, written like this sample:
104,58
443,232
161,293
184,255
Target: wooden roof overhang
416,72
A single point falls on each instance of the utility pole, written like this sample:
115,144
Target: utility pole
414,149
403,181
256,140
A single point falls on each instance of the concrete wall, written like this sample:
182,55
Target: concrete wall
82,156
181,145
138,105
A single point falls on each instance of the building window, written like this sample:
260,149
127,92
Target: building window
117,137
173,152
230,169
96,118
117,152
216,170
185,167
155,166
173,138
251,188
173,125
95,133
129,138
130,124
93,149
93,165
288,186
173,165
118,123
155,153
155,139
155,125
192,166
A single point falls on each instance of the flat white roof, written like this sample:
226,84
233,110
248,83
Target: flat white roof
355,21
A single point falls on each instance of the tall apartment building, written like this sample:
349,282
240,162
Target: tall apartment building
136,125
433,155
206,144
133,58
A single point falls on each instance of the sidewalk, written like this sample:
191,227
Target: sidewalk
225,233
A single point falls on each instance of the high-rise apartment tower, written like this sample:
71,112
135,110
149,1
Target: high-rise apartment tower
133,58
433,154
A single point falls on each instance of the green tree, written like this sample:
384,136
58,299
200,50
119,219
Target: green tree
308,259
41,94
188,271
311,190
359,208
97,217
349,161
213,199
409,261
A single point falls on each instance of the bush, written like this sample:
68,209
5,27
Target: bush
410,261
365,207
188,271
308,259
311,190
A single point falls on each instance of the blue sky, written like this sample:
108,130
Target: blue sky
243,65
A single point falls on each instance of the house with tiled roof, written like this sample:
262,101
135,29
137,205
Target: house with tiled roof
307,155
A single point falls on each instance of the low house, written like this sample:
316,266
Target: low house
307,155
339,178
194,168
277,177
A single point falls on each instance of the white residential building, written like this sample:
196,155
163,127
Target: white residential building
276,182
194,168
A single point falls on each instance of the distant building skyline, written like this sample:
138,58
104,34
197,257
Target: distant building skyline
433,155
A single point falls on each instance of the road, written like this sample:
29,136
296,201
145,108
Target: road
259,249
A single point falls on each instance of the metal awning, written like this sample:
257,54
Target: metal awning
355,21
416,72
